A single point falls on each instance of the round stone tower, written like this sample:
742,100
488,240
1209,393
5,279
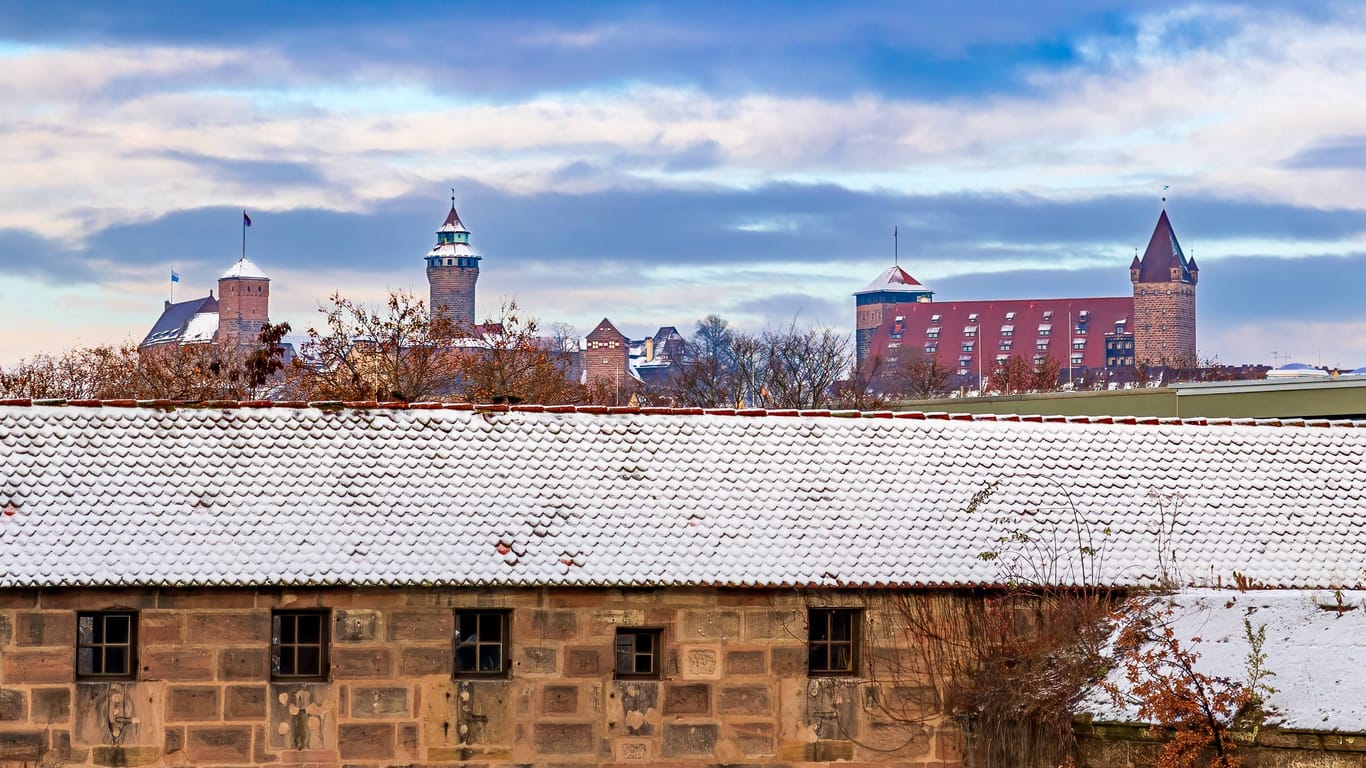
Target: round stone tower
452,271
1164,300
243,303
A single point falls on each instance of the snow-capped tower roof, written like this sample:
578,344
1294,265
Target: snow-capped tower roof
244,268
453,222
452,239
895,278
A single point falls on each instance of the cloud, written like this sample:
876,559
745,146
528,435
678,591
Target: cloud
1333,153
249,171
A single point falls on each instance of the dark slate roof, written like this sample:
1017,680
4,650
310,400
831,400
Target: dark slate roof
1163,253
605,328
171,325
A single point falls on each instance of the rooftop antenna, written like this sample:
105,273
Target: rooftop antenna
896,248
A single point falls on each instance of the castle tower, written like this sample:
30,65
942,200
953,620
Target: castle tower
243,304
606,362
452,271
1164,300
874,303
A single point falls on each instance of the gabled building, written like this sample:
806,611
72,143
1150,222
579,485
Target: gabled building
235,317
427,585
897,320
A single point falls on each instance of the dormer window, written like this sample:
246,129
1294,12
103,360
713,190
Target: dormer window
1007,330
969,331
1045,329
972,318
1048,315
934,318
1010,316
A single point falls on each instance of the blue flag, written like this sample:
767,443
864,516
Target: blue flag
246,220
175,276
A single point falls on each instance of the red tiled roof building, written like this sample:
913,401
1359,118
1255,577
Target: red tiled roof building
898,320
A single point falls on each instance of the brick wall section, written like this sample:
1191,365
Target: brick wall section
734,686
1164,323
452,292
605,362
243,309
867,319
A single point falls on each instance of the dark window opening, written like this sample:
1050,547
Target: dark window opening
106,645
481,642
833,641
638,653
298,645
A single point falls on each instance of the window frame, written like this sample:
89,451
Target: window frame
853,642
324,645
131,647
504,643
656,654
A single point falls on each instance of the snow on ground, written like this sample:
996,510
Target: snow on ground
1316,650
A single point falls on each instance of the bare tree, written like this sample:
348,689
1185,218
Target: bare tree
708,375
922,377
1045,375
395,352
1013,376
802,367
508,362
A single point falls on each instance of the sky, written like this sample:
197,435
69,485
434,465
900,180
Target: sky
655,163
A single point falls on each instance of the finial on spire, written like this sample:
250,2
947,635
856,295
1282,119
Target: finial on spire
896,248
1165,187
452,197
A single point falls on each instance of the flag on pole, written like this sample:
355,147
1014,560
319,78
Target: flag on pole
246,220
175,276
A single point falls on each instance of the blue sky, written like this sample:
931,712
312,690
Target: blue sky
657,162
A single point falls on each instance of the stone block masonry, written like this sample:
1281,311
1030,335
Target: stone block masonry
732,684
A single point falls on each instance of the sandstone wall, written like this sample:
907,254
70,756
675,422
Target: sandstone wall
733,688
1164,323
452,293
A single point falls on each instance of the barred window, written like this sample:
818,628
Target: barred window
833,641
298,645
106,645
481,643
638,653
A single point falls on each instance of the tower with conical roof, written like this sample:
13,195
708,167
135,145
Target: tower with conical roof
872,305
1164,300
243,303
452,271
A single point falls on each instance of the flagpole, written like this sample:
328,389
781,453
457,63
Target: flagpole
244,235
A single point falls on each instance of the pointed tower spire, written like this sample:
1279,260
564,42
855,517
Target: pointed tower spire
1164,299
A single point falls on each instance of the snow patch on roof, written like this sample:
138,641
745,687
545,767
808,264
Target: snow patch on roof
200,329
895,279
244,268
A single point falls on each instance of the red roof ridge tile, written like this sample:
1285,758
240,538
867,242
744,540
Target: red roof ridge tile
664,410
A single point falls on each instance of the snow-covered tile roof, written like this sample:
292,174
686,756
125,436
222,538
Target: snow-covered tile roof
100,494
1315,645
